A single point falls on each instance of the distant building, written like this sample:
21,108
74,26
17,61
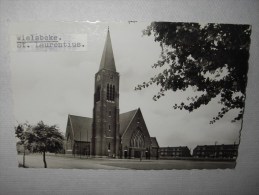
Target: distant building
180,151
229,151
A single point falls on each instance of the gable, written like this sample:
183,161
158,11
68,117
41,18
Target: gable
79,128
125,120
136,123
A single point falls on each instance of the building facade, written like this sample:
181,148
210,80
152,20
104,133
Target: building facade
173,152
229,151
109,133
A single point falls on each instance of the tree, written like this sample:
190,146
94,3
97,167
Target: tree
46,139
23,132
212,59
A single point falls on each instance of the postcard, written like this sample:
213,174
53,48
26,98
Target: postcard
128,95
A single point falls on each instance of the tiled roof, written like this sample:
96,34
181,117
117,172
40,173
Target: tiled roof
125,119
84,125
81,125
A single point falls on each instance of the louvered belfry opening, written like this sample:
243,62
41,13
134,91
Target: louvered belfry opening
110,92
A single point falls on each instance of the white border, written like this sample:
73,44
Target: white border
243,180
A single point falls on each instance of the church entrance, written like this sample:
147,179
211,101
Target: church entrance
137,154
125,154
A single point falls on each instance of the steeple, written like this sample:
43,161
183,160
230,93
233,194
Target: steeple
107,61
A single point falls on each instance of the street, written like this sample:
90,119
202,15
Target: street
65,162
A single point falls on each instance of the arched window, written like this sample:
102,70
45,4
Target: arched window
110,92
113,93
137,139
98,94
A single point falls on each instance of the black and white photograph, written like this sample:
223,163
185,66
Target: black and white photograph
128,95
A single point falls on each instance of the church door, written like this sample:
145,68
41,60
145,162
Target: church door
125,154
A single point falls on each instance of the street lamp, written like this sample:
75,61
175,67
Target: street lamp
80,145
215,149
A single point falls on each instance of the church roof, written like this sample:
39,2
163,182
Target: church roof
125,119
81,125
84,124
107,61
154,142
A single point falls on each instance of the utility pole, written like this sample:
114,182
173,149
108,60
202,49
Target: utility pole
87,144
80,145
74,149
215,149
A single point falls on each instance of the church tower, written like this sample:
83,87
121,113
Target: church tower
105,139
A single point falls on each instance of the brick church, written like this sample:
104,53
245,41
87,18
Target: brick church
109,133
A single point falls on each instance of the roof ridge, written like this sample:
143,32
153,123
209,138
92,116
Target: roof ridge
129,111
79,116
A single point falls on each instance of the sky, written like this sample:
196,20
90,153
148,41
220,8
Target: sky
50,85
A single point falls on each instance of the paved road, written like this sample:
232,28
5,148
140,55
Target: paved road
35,161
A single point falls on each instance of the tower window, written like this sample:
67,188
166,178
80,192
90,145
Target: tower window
110,92
110,97
113,93
109,127
98,94
110,113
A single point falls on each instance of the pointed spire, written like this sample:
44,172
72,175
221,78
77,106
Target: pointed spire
107,61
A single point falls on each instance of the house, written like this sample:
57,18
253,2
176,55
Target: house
229,151
170,152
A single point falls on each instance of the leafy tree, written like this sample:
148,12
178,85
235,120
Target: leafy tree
23,132
46,139
212,59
